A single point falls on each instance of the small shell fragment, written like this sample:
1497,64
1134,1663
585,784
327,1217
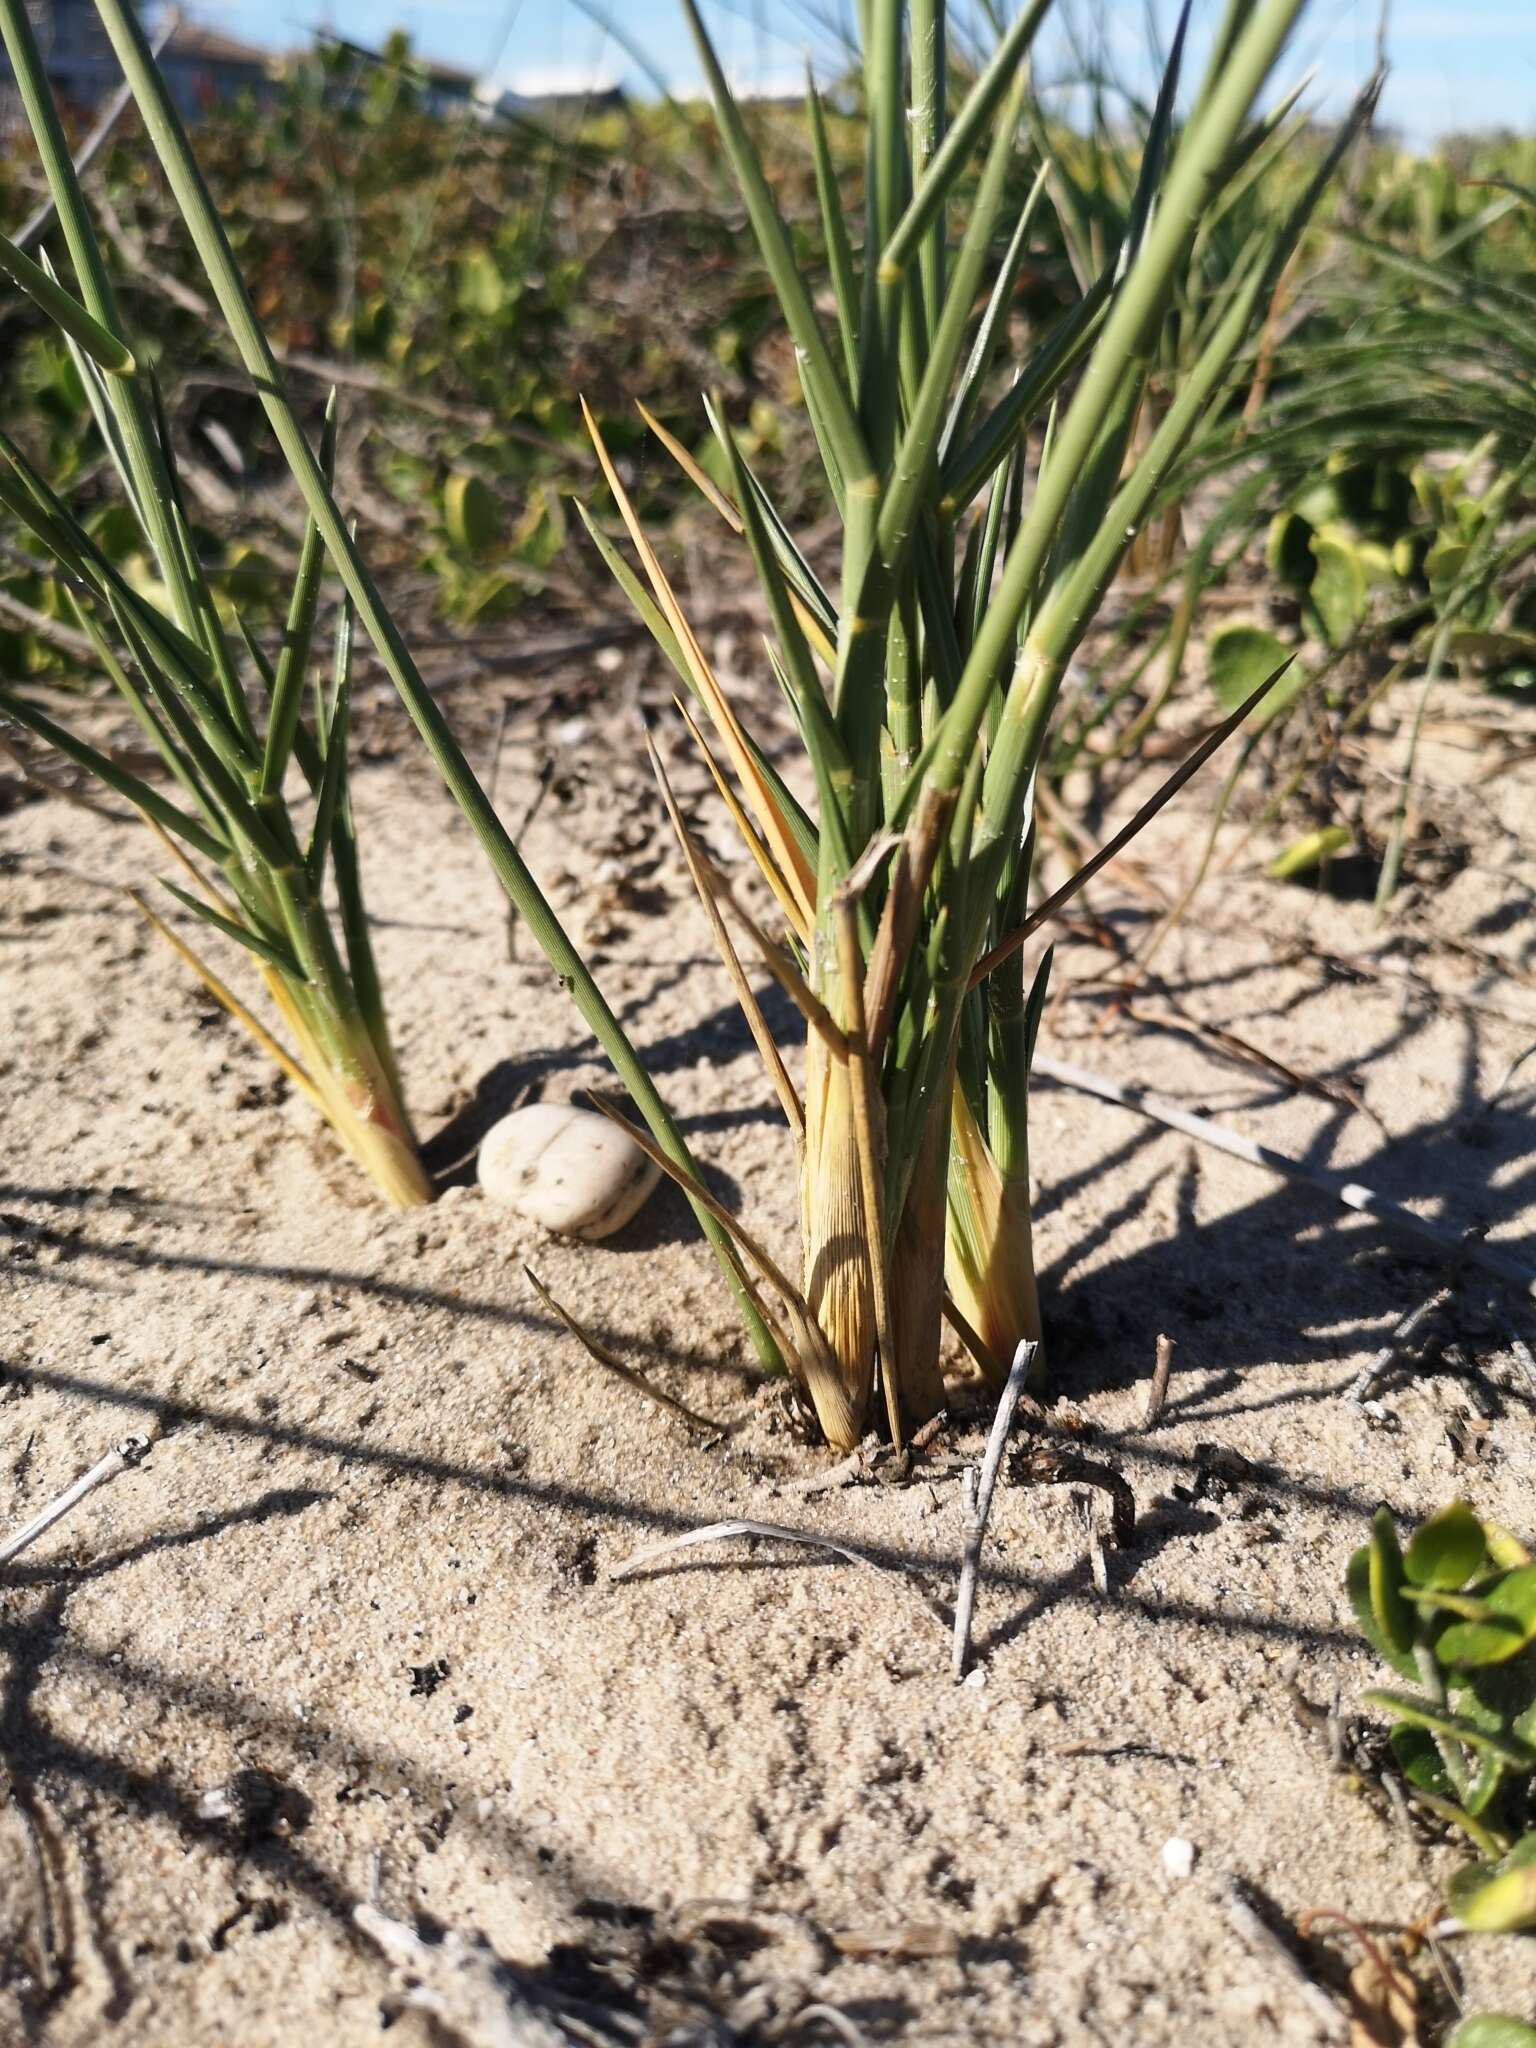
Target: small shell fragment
1178,1857
569,1169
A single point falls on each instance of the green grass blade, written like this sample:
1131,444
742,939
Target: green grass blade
143,468
817,368
638,595
32,501
915,457
1124,341
806,583
138,792
266,946
137,702
993,322
834,774
929,66
967,469
65,311
834,228
293,660
966,131
333,739
1155,147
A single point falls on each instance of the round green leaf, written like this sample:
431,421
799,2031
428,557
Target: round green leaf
1387,1569
1447,1549
1466,1643
481,287
469,512
1492,2030
1501,1901
1288,551
1419,1761
1504,1548
1240,658
1514,1597
1338,589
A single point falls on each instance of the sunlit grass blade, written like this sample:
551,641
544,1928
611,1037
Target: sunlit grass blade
264,944
110,773
65,311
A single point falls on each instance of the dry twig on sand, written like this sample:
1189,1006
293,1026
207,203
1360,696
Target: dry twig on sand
602,1356
1262,1939
465,1987
1157,1393
979,1506
1420,1328
720,1532
1448,1246
1058,1465
124,1454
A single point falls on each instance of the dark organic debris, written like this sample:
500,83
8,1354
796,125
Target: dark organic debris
426,1678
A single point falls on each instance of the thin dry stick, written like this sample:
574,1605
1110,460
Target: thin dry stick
610,1363
464,1985
1106,853
1409,1328
1520,1351
720,1532
22,1799
1157,1393
124,1454
1263,1939
979,1509
1446,1245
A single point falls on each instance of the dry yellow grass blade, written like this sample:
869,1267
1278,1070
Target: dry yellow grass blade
807,1348
762,1037
750,837
989,1264
869,1140
699,478
710,490
362,1109
384,1150
227,1000
787,974
775,827
835,1227
610,1362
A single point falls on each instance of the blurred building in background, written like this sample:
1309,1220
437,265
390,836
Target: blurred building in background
200,65
203,67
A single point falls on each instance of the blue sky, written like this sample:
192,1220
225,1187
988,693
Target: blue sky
1455,65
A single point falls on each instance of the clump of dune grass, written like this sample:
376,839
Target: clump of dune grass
985,502
226,721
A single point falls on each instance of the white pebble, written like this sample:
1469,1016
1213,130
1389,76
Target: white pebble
1178,1856
569,1169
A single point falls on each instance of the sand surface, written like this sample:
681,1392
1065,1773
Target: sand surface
736,1798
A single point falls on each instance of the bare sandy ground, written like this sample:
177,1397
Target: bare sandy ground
736,1798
